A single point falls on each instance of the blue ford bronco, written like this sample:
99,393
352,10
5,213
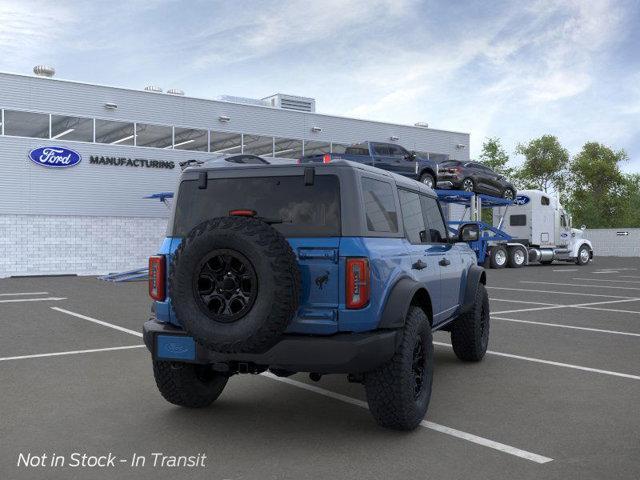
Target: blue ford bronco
322,268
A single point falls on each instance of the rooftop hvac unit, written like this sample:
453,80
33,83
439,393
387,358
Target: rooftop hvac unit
153,88
292,102
175,91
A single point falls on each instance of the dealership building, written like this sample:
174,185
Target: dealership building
77,160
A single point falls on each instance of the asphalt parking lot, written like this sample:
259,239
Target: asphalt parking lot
557,396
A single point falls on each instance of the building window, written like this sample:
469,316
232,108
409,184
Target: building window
26,124
287,148
380,206
257,145
224,142
312,147
72,128
114,133
157,136
191,139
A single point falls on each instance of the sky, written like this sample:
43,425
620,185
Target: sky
514,70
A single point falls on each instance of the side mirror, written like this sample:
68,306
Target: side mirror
583,227
469,232
410,156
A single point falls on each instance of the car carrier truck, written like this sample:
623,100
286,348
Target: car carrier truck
538,221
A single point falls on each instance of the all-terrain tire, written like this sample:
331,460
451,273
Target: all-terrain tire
274,272
391,388
188,385
470,331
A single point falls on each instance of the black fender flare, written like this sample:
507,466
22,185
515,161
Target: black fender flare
429,170
475,276
399,301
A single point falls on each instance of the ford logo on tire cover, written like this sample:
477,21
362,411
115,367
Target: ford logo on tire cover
55,157
521,200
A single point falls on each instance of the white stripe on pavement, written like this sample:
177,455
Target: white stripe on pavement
555,364
23,293
566,269
45,299
560,325
579,285
603,280
577,305
522,301
558,293
73,352
99,322
430,425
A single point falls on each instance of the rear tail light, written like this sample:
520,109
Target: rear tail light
157,270
358,287
326,158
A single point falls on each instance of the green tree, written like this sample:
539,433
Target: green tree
545,164
495,157
631,199
599,192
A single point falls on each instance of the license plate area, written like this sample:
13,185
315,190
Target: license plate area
175,347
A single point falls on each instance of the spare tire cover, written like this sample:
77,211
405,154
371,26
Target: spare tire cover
234,284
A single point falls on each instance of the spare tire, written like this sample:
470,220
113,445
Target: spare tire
234,284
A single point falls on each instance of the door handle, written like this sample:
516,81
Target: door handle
419,265
444,262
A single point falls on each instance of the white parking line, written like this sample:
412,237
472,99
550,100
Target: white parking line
628,276
579,285
566,270
23,293
572,327
73,352
521,301
99,322
577,305
45,299
603,280
558,293
430,425
616,310
555,364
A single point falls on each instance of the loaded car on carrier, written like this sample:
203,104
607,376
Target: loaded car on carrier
328,268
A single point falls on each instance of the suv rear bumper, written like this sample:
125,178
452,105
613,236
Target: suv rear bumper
339,353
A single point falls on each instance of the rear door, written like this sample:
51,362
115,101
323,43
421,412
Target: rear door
398,161
424,261
448,259
381,156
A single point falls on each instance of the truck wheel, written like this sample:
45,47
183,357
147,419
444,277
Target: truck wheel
583,255
498,257
517,257
428,180
470,331
234,284
508,194
399,391
188,385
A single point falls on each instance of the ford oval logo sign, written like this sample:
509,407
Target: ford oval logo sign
56,157
521,200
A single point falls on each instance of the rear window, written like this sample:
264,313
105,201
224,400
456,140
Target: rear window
361,149
449,163
305,210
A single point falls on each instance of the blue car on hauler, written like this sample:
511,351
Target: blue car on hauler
319,268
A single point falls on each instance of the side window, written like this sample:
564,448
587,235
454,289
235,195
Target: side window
517,220
544,200
381,149
563,221
436,230
396,151
412,216
379,205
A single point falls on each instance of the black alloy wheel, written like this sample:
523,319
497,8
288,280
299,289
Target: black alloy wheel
225,285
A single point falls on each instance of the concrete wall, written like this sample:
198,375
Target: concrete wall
609,242
54,244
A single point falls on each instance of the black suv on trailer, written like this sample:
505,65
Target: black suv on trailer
474,177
